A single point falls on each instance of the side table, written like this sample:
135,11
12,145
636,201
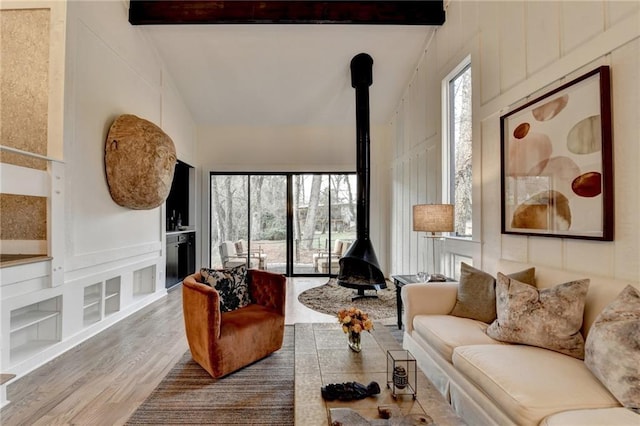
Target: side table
399,281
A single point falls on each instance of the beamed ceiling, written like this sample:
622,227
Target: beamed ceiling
232,70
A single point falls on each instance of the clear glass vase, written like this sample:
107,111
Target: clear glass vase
355,343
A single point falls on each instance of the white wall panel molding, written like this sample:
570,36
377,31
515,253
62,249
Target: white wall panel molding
23,181
580,23
590,53
76,265
542,35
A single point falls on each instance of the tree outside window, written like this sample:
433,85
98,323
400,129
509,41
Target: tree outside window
460,149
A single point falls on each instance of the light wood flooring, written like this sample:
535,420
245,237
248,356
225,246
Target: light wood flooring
103,380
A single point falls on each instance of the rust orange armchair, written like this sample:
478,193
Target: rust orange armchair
225,342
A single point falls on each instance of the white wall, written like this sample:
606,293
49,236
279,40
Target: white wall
519,49
111,68
294,149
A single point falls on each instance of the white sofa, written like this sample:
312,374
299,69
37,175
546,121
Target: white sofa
488,382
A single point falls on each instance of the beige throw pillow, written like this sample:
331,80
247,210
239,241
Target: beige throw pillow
476,297
549,318
612,349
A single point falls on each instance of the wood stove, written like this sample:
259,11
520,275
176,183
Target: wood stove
359,268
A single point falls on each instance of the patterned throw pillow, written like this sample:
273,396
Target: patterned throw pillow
612,349
476,297
231,284
549,318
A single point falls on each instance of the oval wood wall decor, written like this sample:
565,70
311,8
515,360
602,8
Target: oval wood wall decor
140,160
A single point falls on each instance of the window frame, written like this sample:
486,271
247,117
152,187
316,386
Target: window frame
448,143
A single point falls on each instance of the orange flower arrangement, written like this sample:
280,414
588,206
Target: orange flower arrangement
354,320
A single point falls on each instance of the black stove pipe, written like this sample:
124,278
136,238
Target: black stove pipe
359,266
361,79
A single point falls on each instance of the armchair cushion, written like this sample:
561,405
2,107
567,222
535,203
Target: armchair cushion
231,285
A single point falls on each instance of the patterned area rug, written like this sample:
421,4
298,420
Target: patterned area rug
262,393
330,298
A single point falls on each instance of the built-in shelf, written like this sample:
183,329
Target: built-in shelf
101,300
27,350
34,327
144,281
112,296
92,306
30,318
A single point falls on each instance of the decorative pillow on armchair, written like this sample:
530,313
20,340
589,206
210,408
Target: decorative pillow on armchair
231,284
549,318
612,349
476,297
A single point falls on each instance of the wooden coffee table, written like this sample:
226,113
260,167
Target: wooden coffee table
322,356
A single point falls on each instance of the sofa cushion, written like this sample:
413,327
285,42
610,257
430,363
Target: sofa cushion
612,349
231,284
530,383
597,417
444,333
476,297
549,318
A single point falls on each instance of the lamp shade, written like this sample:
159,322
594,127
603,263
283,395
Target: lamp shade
433,217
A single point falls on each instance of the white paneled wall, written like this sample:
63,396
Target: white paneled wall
518,50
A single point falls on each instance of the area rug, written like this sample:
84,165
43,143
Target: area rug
330,298
260,394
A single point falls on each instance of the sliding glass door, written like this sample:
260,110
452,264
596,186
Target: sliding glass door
268,221
324,221
291,223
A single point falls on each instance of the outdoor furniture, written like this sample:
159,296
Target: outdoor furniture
230,257
241,250
223,342
321,259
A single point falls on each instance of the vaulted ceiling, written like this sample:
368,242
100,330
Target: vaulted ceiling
284,74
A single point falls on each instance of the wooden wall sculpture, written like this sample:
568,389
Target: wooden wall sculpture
140,160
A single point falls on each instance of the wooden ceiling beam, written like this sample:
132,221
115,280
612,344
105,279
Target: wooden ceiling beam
173,12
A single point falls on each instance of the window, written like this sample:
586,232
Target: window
457,148
286,223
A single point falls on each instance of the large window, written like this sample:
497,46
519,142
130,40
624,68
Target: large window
288,223
457,147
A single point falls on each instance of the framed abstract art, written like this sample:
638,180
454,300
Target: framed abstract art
556,162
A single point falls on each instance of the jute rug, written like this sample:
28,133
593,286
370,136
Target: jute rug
262,393
330,298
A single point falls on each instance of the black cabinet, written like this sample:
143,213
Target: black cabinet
178,201
181,257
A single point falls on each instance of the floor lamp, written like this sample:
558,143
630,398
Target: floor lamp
432,218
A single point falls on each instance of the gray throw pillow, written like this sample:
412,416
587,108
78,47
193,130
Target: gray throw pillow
612,349
231,284
549,318
476,297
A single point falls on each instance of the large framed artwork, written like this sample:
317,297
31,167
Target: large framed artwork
556,162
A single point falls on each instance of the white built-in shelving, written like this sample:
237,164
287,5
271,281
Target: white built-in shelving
112,296
34,327
101,300
91,308
144,282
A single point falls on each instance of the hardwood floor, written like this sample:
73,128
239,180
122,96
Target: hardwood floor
103,380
